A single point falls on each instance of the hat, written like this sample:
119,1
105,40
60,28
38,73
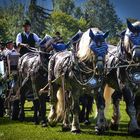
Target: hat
27,22
8,42
57,33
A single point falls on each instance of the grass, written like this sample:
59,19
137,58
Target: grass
14,130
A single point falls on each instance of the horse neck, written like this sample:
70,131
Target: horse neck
121,50
44,58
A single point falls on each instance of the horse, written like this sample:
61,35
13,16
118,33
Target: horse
74,71
123,76
32,76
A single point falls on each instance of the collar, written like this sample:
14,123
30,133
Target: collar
27,34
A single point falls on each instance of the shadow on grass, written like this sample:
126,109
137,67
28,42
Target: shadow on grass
6,120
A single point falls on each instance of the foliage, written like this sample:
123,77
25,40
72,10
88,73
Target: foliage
78,13
65,24
11,20
37,15
101,14
66,18
66,6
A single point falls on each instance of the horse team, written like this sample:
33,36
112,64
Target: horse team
92,69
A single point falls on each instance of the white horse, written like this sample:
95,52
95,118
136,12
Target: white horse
65,68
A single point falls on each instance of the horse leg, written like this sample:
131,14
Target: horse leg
116,111
43,110
133,128
36,98
101,121
66,120
53,100
21,116
83,99
89,109
75,111
36,109
137,106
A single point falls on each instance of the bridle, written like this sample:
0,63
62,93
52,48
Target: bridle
83,69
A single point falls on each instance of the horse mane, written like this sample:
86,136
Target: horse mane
84,52
127,39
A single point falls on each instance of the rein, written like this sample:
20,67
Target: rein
85,69
125,66
34,50
82,83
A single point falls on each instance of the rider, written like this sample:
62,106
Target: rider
26,38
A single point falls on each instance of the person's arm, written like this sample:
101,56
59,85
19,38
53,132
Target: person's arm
19,41
37,39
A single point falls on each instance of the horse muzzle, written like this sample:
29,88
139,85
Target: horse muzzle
136,54
99,69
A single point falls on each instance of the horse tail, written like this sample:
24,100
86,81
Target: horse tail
60,106
108,91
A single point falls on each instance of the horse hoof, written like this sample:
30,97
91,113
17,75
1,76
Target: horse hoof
44,124
81,119
78,131
36,123
21,119
135,132
52,124
99,131
65,129
87,122
114,127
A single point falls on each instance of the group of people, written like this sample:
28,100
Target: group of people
27,39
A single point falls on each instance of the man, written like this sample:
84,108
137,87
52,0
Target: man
26,38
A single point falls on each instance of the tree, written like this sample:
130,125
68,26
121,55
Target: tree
101,14
11,19
65,24
37,16
78,13
66,6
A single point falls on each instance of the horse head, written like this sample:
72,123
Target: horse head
99,47
132,41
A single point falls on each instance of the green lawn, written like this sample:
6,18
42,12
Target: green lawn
14,130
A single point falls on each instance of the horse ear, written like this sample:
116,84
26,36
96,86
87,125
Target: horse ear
130,26
122,34
77,36
91,34
106,34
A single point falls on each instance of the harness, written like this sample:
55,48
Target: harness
117,61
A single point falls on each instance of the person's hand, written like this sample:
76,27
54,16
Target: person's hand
27,46
23,45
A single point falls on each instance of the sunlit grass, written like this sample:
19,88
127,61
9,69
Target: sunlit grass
14,130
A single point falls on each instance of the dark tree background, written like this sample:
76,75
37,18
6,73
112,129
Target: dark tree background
64,16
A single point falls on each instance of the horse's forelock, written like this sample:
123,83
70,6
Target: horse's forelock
84,52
